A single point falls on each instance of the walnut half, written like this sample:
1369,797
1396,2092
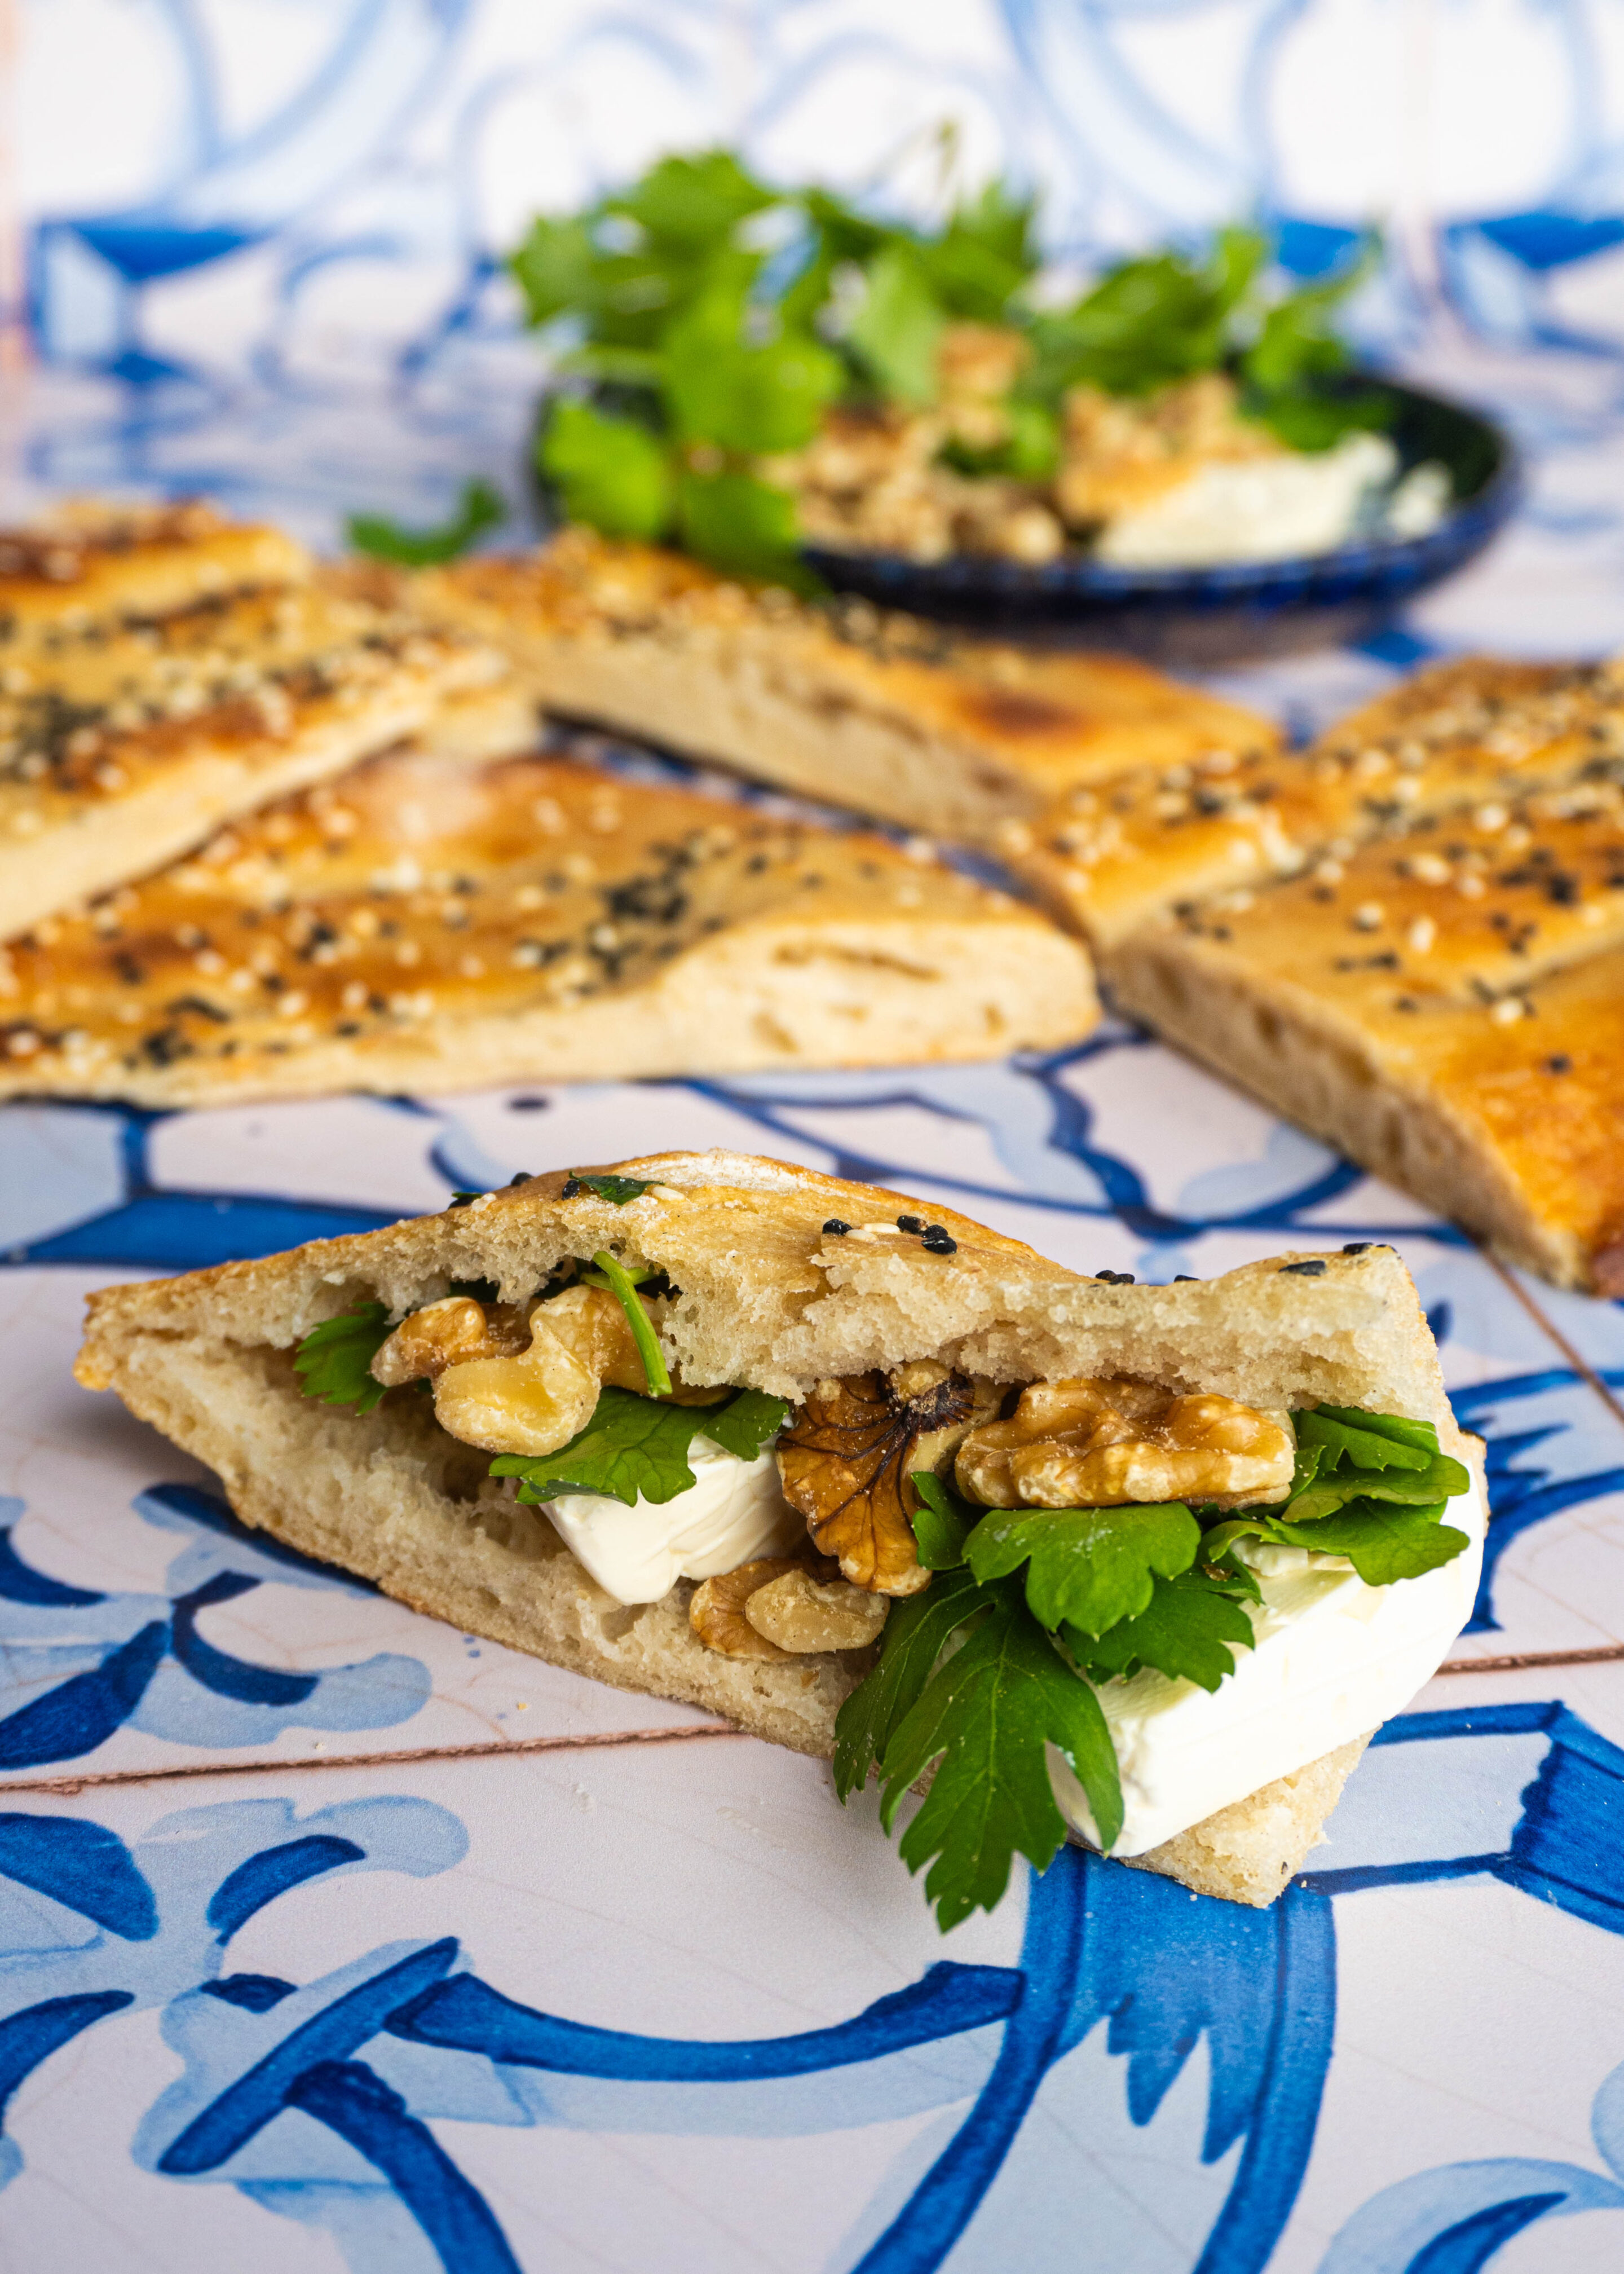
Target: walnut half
846,1456
777,1608
1108,1444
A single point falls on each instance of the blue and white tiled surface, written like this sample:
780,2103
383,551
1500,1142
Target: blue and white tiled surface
330,1937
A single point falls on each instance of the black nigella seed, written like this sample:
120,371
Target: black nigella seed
836,1226
1185,1279
1314,1268
940,1242
572,1185
1360,1247
523,1177
912,1224
1560,1064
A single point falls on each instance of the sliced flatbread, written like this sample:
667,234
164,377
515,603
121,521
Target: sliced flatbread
1446,1006
769,1297
883,713
424,924
125,745
93,564
1110,856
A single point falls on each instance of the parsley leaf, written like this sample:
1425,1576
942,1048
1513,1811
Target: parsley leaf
1383,1543
987,1717
1439,1480
742,526
897,329
942,1522
738,394
610,472
912,1639
481,509
333,1359
1087,1567
1185,1631
636,1448
618,1189
746,1423
1341,1439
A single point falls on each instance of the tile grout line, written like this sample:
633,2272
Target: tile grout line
1576,1358
68,1785
1513,1661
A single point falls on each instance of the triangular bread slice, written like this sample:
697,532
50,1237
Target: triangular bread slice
769,1298
126,746
425,924
883,713
88,561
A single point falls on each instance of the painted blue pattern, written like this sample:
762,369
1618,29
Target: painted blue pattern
77,1665
378,2049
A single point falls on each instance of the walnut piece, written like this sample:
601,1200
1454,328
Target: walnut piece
1107,1444
716,1612
799,1613
528,1390
448,1333
846,1459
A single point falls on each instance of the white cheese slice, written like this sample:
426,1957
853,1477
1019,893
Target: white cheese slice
733,1512
1334,1658
1254,508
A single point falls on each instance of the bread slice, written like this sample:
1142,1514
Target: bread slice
1446,1006
883,713
425,925
767,1297
91,563
128,744
1108,858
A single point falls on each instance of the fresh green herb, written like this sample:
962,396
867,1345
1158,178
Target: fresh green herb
741,526
619,1190
481,509
1087,1567
1371,1486
942,1522
746,1423
1354,1444
623,1287
1189,1630
915,1634
987,1717
636,1448
1383,1543
897,331
612,473
333,1360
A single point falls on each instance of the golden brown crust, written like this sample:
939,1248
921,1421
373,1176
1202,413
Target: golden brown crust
772,1298
880,713
123,747
1110,856
424,923
94,563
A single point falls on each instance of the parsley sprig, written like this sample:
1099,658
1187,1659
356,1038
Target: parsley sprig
636,1448
480,508
333,1359
1029,1609
704,320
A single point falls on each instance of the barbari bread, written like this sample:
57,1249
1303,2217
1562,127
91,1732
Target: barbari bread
428,924
1444,1002
883,713
737,1434
172,681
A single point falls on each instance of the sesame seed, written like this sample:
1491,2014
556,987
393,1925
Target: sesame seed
1369,916
1421,935
1508,1010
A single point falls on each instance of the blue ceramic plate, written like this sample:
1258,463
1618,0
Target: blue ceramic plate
1243,609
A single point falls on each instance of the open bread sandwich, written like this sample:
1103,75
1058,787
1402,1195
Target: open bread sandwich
1140,1565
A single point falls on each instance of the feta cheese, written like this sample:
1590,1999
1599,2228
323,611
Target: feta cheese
1274,509
733,1512
1333,1658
